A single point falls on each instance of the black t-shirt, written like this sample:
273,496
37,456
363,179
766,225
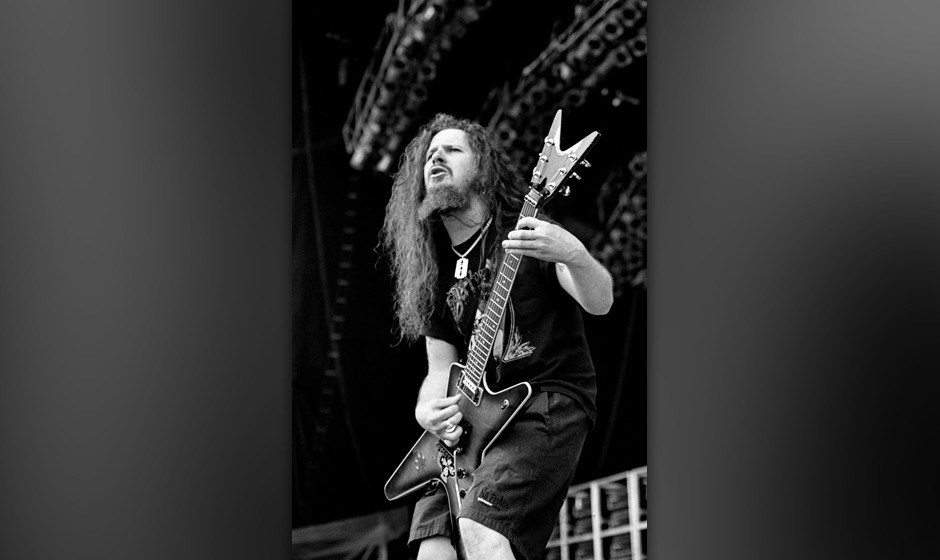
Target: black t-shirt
541,337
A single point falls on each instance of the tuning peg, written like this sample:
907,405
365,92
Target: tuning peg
566,190
575,176
585,163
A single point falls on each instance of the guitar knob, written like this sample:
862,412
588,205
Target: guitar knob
463,493
461,473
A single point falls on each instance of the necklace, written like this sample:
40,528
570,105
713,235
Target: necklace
463,263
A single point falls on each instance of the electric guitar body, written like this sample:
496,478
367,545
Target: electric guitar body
429,459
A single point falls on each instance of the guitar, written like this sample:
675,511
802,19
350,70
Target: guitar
486,414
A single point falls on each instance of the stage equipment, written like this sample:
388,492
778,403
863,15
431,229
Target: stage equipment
394,89
621,247
588,69
604,518
605,38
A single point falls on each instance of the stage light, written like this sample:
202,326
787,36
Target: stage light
574,98
398,70
416,97
406,117
525,107
412,44
595,46
632,12
433,17
393,143
637,44
369,133
611,29
358,159
378,114
621,56
637,165
617,58
386,95
563,71
384,162
505,134
577,60
537,96
533,134
427,71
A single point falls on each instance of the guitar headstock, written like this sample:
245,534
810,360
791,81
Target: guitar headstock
556,166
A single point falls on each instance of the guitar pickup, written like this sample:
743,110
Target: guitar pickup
474,394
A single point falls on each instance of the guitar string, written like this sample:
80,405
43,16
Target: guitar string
481,352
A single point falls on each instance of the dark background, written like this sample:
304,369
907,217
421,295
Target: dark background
353,399
146,301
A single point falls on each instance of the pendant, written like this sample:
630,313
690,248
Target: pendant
461,269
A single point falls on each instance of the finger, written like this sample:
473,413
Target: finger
451,438
522,234
528,222
453,399
442,416
525,244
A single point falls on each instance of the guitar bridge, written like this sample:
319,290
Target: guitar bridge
459,446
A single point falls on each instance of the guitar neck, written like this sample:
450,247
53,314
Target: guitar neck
551,174
485,336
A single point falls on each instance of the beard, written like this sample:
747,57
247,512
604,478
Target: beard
443,199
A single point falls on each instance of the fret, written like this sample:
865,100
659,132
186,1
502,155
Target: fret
468,375
476,362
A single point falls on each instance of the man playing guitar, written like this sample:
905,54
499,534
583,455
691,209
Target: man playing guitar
461,232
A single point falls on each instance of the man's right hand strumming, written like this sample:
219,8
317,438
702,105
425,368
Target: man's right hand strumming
442,418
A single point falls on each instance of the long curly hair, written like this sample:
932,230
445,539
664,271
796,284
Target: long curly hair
410,241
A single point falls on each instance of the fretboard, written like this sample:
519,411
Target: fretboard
485,334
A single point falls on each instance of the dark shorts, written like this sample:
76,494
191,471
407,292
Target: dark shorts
522,481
